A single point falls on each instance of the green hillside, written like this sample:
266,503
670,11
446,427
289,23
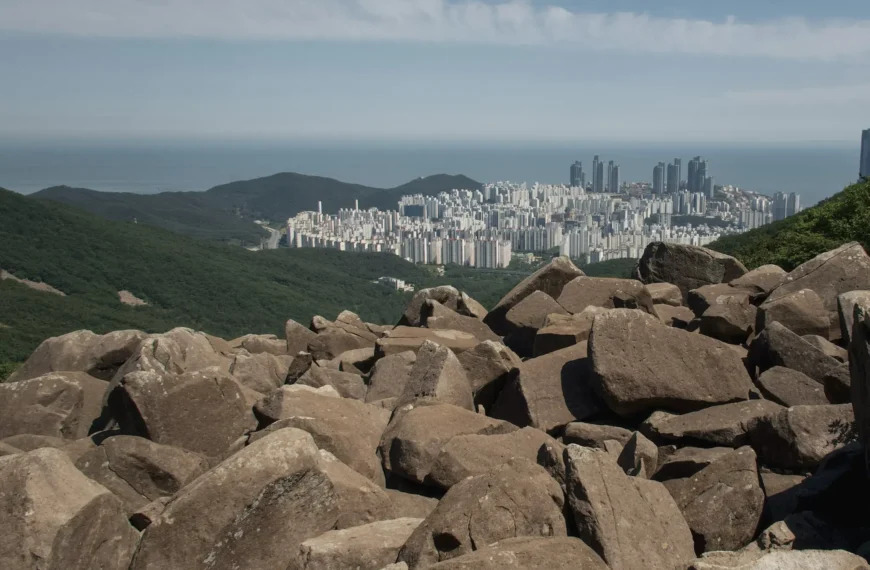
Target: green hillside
226,213
842,218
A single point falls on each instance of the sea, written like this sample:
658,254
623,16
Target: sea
815,171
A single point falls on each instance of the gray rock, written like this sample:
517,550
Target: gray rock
297,336
262,344
703,298
679,317
348,385
526,318
562,331
665,294
488,366
585,292
727,425
390,375
846,308
687,461
445,295
402,339
859,359
594,435
802,312
730,320
438,375
365,547
528,553
791,388
261,372
781,560
639,457
407,505
359,500
828,347
762,280
437,316
359,361
688,267
781,494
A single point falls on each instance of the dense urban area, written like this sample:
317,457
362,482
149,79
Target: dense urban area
591,222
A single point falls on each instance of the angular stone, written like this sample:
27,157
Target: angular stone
139,471
665,368
262,344
528,553
390,375
762,280
632,523
438,375
365,547
687,461
204,412
359,361
414,438
143,517
781,560
360,501
781,494
236,516
549,392
828,347
550,279
846,309
445,295
348,385
488,366
679,317
347,428
470,307
702,298
686,266
334,340
401,339
80,351
639,457
64,405
30,442
791,388
585,292
467,455
563,331
778,346
594,435
801,436
665,294
859,360
526,318
437,316
723,502
829,274
410,505
297,336
802,312
727,425
298,367
53,517
729,320
261,372
516,499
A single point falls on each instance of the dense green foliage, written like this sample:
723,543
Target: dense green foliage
842,218
621,268
226,213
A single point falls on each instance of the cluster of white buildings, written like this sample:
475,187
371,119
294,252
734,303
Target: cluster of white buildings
483,228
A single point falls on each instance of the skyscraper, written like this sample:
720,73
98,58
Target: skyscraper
793,205
609,176
659,178
673,184
709,189
577,174
865,155
697,175
614,179
693,169
595,162
599,177
678,165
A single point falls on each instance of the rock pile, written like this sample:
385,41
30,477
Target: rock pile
700,417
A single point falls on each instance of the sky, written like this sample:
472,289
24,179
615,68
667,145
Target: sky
770,71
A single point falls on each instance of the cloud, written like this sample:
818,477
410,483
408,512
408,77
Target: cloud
438,21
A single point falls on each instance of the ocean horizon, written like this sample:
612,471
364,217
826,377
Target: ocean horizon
816,171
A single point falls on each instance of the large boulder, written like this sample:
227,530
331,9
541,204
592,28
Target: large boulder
513,500
829,274
778,346
802,312
526,318
390,375
347,428
366,547
401,339
686,461
438,375
730,320
632,523
703,298
791,388
727,425
549,392
467,455
204,412
445,295
81,351
360,501
686,266
262,372
780,560
411,505
236,516
561,331
175,352
417,433
63,404
679,317
829,348
334,338
139,471
762,280
437,316
528,553
800,437
594,435
604,292
53,517
846,308
639,364
639,456
488,366
665,294
298,337
347,384
550,279
723,502
261,344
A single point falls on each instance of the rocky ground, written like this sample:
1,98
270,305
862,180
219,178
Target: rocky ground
700,417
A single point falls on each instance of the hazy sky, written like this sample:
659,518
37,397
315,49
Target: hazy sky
543,70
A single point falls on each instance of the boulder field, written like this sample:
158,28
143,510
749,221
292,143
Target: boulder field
702,416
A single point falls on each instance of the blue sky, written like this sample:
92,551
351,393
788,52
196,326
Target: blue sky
435,70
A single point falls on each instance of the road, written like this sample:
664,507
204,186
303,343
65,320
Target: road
274,238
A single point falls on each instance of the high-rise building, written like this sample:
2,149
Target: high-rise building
793,205
673,184
678,165
864,171
697,175
609,176
659,178
613,182
709,189
599,178
595,162
577,174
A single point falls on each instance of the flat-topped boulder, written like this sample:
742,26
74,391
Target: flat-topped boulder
703,298
366,547
177,351
665,294
561,331
686,266
802,312
333,339
762,280
666,368
604,292
791,388
261,343
297,336
488,366
261,372
727,425
730,320
434,315
528,553
549,279
347,384
526,318
401,339
438,375
445,295
389,376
